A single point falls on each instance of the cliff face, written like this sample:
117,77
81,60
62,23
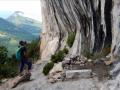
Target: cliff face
116,28
95,22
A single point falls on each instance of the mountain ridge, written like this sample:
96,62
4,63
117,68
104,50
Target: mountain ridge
17,27
18,19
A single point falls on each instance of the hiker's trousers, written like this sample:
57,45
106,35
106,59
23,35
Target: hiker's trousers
22,64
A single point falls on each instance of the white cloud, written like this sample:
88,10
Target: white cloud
31,8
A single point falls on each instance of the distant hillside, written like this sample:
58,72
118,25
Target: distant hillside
17,27
25,24
17,18
11,30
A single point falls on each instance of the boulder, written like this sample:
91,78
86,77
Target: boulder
66,62
83,58
108,60
57,68
51,80
56,73
4,80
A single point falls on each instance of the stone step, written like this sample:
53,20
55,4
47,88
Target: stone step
84,73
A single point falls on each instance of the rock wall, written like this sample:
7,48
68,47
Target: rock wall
95,22
116,29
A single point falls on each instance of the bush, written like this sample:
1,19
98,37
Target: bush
3,54
8,65
33,49
65,50
47,68
71,38
8,71
57,57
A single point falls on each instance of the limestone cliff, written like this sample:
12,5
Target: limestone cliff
116,28
95,22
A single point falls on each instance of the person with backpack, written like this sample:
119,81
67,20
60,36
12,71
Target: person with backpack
21,55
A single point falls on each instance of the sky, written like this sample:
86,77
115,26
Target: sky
30,8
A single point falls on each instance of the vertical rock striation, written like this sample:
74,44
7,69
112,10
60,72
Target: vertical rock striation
116,28
96,24
89,19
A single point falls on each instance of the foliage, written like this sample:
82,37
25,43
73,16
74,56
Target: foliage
8,70
16,28
8,65
33,49
47,68
97,55
71,38
65,50
3,54
57,57
87,54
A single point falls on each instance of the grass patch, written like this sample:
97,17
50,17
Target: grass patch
96,55
71,38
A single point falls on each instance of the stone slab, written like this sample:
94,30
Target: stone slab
84,73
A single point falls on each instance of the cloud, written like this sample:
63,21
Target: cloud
30,8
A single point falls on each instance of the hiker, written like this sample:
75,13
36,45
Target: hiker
24,57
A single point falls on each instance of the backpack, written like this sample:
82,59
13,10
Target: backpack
18,54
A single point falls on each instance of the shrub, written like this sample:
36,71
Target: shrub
8,65
57,57
47,68
65,50
8,71
71,38
33,49
3,54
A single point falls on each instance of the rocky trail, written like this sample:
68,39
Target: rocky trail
40,82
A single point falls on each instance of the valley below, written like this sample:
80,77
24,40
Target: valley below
17,27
